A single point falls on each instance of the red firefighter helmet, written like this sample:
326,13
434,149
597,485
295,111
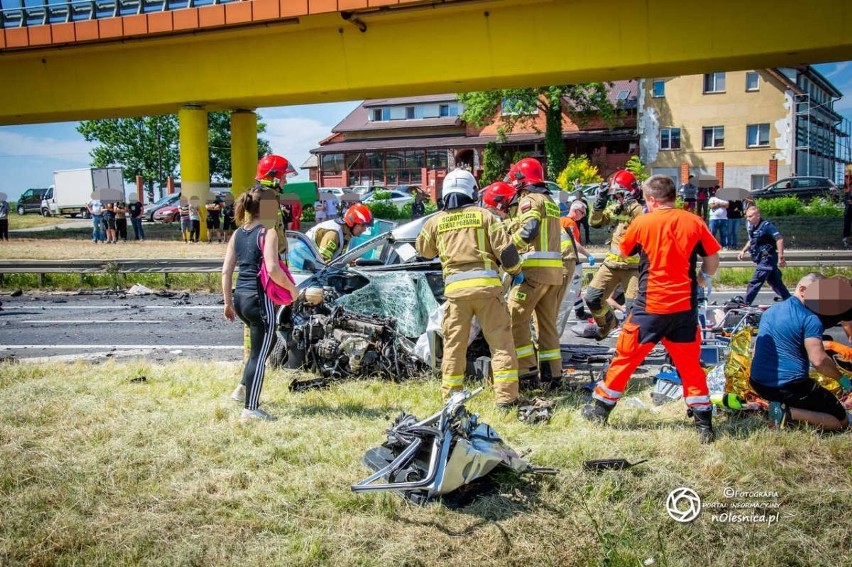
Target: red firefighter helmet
623,181
358,214
272,169
526,172
498,195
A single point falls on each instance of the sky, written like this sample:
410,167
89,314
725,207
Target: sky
30,154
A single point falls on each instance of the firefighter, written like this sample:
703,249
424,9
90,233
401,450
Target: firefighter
571,247
272,172
616,267
472,244
536,288
668,241
332,236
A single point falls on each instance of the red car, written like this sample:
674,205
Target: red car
167,214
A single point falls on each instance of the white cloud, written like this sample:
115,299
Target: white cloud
20,145
295,137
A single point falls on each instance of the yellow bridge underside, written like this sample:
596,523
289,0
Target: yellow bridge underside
446,48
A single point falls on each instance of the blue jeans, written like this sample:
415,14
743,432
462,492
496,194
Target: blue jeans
719,226
98,229
733,233
138,231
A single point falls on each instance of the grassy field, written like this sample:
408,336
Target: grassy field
99,470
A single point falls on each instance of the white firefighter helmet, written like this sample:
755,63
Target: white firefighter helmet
460,181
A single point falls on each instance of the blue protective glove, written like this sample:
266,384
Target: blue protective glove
707,283
591,260
518,279
845,384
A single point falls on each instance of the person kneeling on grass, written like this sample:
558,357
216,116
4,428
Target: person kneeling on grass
790,337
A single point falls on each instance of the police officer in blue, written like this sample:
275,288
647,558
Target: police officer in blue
766,246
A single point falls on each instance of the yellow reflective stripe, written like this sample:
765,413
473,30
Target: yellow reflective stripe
542,263
495,226
524,351
480,240
460,220
554,354
505,376
425,235
551,209
519,242
617,258
473,282
453,380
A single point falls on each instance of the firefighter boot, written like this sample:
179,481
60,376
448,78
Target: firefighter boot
529,380
548,380
704,424
609,323
596,412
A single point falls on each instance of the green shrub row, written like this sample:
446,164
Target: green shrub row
792,206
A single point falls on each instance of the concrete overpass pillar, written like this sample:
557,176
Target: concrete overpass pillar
195,159
243,150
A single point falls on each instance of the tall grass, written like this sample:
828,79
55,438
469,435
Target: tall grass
99,470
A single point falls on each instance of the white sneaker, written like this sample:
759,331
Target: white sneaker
239,394
258,413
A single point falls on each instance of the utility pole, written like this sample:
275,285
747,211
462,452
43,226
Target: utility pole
159,160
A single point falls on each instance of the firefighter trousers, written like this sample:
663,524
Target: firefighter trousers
603,284
638,339
493,316
542,300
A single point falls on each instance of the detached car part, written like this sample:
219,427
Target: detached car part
427,459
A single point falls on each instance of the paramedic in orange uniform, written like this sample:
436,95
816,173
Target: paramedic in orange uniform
668,242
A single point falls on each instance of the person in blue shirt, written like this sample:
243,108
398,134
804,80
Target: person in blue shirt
766,246
789,340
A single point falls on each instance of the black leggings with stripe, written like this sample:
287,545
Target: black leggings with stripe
258,312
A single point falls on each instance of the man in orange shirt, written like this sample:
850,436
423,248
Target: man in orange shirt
668,242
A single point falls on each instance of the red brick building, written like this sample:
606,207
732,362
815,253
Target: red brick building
417,140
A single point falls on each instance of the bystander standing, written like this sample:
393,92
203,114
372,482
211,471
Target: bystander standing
136,209
4,217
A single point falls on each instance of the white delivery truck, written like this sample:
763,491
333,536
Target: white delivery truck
73,188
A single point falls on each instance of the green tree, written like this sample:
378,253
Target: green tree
578,168
517,107
494,164
636,167
149,146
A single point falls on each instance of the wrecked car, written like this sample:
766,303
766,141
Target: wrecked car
360,314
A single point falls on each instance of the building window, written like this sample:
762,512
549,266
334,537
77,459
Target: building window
714,83
670,138
514,107
436,159
713,137
659,88
759,181
381,114
752,81
409,113
332,163
757,135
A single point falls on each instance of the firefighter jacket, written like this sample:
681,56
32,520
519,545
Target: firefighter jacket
329,238
539,232
471,243
618,216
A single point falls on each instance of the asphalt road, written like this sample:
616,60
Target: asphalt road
96,327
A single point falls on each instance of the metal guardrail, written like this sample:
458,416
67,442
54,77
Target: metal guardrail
28,13
799,258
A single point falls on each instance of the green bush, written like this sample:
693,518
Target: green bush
379,195
387,210
820,207
308,214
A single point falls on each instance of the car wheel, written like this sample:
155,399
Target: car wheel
21,210
278,356
45,213
85,213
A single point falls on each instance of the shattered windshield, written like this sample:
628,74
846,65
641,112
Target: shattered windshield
403,296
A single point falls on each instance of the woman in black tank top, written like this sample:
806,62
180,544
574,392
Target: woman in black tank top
248,300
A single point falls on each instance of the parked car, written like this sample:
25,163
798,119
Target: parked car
363,190
167,201
30,201
398,198
167,214
805,188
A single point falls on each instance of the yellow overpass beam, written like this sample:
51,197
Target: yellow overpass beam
446,48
